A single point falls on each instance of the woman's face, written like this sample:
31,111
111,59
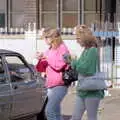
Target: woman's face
48,41
79,41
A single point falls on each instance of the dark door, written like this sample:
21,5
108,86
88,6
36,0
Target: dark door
5,93
27,94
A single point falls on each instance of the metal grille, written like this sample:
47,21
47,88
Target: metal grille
110,53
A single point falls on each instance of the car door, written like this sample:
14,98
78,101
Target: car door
27,93
5,93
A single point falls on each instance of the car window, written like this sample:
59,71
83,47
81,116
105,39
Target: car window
17,69
2,73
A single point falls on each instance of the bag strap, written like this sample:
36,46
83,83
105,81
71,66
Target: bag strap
61,70
98,60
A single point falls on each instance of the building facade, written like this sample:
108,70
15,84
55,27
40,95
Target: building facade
55,13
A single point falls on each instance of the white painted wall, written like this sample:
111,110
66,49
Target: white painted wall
29,45
71,44
18,45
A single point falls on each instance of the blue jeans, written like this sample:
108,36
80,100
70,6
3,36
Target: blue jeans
89,104
55,97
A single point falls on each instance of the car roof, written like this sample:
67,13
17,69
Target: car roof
8,52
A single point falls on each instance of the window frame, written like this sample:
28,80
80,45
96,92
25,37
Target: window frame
23,61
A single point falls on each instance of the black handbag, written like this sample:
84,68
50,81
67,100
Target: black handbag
69,76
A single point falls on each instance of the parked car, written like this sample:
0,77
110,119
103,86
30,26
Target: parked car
22,91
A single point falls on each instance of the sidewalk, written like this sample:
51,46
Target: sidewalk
109,107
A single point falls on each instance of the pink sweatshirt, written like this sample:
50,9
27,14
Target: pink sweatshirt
55,60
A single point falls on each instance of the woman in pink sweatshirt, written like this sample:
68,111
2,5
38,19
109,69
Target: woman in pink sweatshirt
54,82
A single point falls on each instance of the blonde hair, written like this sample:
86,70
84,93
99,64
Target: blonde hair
85,34
55,36
44,32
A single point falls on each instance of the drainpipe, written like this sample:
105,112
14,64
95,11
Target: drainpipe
58,15
82,11
7,15
96,6
37,15
100,12
79,12
11,24
40,13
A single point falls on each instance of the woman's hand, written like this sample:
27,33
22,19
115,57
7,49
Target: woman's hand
67,58
73,57
40,55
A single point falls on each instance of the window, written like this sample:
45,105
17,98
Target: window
69,13
90,5
90,15
2,13
18,70
70,5
92,18
11,13
69,20
2,20
17,13
49,5
49,19
2,73
48,13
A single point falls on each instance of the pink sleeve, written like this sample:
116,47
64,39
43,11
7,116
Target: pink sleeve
57,61
46,53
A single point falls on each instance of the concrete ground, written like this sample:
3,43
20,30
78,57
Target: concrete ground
109,108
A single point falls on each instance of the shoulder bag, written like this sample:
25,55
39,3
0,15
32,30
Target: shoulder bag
94,82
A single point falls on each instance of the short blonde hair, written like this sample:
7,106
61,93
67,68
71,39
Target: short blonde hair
85,34
55,35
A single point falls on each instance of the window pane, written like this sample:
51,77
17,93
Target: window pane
49,5
2,73
90,5
18,70
70,5
2,20
49,19
18,6
2,6
17,13
17,20
92,18
98,5
69,20
2,13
